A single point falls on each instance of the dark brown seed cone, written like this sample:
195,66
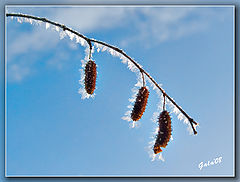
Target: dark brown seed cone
164,132
90,76
140,104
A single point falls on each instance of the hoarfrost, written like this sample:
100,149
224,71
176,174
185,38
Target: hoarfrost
28,20
154,87
127,115
159,105
82,91
115,53
47,25
57,28
20,19
82,41
180,116
132,67
189,129
124,60
70,34
154,119
62,34
152,155
185,121
104,48
161,157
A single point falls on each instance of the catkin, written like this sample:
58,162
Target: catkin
140,104
164,132
90,76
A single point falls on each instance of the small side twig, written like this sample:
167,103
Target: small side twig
143,79
164,102
90,49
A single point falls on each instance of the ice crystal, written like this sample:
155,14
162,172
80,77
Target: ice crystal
82,90
47,25
127,115
70,34
28,20
152,155
20,19
131,66
57,28
82,41
180,116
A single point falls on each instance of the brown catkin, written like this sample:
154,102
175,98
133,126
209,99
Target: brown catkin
164,132
90,76
140,104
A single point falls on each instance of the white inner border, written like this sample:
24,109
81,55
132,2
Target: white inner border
67,6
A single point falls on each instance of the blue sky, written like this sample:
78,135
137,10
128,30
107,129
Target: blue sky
52,131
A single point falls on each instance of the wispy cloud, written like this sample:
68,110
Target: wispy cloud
35,40
17,72
88,19
160,25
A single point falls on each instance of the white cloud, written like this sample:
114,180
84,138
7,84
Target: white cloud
87,20
167,24
17,73
31,41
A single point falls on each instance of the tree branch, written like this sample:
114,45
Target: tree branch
89,41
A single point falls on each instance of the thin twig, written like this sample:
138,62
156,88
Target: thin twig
89,41
90,50
164,98
143,79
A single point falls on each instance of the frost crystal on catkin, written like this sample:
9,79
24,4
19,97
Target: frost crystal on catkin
140,104
90,76
135,90
164,132
127,115
82,89
154,119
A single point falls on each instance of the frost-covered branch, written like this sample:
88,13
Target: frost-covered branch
119,51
